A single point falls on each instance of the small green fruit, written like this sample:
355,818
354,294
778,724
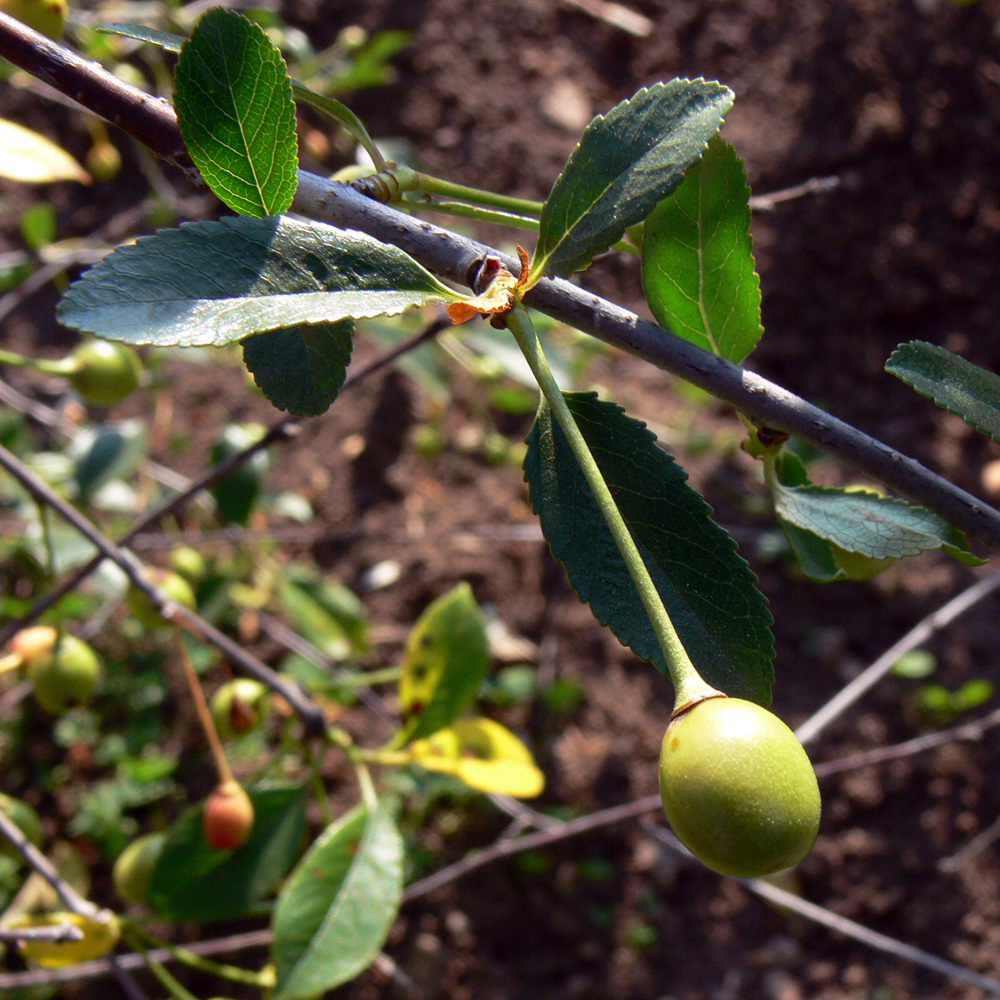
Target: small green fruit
189,562
738,789
46,16
172,584
133,870
228,817
23,817
66,676
239,706
104,373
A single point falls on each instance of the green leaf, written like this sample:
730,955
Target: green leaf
447,656
235,109
872,525
193,881
708,590
301,368
166,40
328,614
337,907
210,283
961,387
627,161
814,554
106,452
697,257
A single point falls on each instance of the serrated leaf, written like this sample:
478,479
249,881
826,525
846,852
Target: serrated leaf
697,257
210,283
446,658
959,386
234,106
30,158
708,590
626,161
193,881
337,907
483,754
875,526
301,368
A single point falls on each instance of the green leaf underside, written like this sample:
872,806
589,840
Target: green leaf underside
234,105
626,161
875,526
193,881
708,590
210,283
166,40
697,258
447,656
337,907
957,385
301,368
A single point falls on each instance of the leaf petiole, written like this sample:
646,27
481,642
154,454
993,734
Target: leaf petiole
688,684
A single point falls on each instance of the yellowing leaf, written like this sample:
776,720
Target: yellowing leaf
30,158
100,935
484,755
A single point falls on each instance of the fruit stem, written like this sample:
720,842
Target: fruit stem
204,715
688,683
413,180
12,661
50,366
158,969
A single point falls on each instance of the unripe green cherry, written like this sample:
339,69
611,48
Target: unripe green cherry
104,373
133,870
239,706
66,676
172,584
738,789
228,817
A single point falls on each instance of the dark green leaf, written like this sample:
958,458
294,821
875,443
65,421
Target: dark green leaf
237,494
337,907
627,161
301,368
216,282
961,387
872,525
106,452
193,881
814,554
697,257
447,655
235,109
328,614
708,590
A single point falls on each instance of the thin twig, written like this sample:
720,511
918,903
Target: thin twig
56,933
919,634
815,185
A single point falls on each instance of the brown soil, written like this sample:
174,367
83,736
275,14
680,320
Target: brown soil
901,102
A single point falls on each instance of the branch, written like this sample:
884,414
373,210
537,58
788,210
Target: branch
153,123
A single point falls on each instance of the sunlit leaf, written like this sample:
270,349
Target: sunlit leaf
697,257
447,655
216,282
30,158
338,905
484,755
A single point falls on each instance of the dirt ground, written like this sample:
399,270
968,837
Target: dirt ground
900,101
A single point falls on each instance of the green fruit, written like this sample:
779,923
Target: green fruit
66,676
172,584
104,373
228,817
239,706
738,789
133,870
46,16
190,563
23,817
